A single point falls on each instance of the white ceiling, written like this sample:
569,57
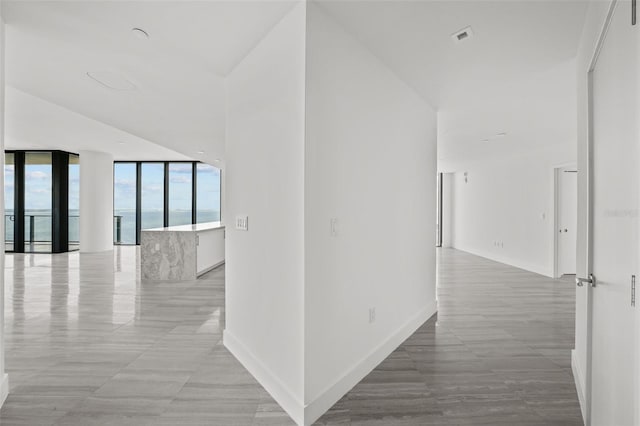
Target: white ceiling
537,113
495,81
179,71
515,75
511,39
33,123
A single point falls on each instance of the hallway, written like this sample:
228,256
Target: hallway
498,354
117,351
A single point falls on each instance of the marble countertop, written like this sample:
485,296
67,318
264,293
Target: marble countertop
209,226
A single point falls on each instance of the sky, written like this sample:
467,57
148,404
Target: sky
38,181
37,187
208,183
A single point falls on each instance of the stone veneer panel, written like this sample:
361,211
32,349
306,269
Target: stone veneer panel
168,256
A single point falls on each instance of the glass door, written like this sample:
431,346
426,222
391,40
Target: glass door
9,200
38,183
74,202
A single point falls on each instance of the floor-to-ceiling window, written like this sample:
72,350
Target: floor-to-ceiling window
41,195
124,203
152,212
9,198
208,193
150,195
38,183
74,202
180,201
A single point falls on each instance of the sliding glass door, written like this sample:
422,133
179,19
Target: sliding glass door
208,193
124,203
9,200
38,183
74,202
152,195
180,194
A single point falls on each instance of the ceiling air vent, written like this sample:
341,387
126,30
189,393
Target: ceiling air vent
462,35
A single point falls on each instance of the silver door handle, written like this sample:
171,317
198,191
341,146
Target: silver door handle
591,281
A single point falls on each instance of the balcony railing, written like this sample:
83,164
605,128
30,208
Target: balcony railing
38,230
118,229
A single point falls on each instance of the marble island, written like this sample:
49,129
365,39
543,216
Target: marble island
181,253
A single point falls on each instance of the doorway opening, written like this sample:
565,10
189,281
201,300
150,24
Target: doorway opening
565,220
444,212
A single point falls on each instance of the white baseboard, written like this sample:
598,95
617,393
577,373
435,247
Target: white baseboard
4,389
307,414
579,380
209,269
356,373
268,380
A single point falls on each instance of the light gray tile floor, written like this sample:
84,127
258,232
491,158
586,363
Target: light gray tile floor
88,344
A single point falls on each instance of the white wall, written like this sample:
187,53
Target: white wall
594,22
264,177
370,163
96,201
505,212
359,146
4,378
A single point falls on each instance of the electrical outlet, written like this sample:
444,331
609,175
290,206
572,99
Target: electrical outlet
372,315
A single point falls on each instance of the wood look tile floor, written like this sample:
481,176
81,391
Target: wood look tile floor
88,344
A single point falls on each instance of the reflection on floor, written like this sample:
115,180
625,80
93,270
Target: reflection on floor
88,344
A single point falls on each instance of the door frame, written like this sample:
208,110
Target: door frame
556,216
590,213
439,199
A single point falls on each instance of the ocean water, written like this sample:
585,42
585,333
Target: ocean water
150,219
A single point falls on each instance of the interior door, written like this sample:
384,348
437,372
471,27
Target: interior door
613,241
567,219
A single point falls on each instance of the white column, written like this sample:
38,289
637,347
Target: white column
96,201
4,378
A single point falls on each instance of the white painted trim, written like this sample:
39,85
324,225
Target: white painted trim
209,269
579,380
357,372
307,414
637,366
4,389
272,384
556,205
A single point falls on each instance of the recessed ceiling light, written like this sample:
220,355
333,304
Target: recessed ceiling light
501,134
140,33
462,35
217,160
112,80
121,143
200,152
485,140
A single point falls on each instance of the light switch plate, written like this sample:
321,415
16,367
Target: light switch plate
242,223
333,226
